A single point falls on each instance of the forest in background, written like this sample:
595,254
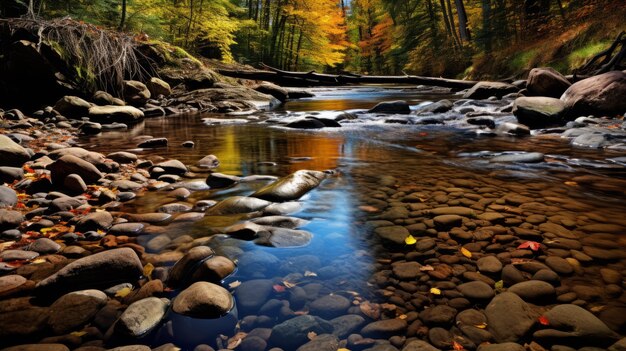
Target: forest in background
427,37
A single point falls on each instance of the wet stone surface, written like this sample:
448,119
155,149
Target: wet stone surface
372,237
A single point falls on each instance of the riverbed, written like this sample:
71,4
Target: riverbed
375,168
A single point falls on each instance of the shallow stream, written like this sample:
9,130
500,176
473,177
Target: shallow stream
376,166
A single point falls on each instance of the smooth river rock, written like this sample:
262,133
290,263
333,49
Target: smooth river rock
509,317
99,270
11,153
203,300
291,187
142,316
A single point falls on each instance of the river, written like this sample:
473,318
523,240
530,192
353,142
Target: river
376,166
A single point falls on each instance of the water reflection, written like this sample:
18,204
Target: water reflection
342,253
362,97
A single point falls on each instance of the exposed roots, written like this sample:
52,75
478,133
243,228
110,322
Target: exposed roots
607,60
94,58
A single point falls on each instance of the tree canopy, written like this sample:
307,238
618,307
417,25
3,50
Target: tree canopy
435,37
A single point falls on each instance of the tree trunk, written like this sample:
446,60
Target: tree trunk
463,29
486,30
446,20
452,25
298,49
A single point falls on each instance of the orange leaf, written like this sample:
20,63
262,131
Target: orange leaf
533,245
457,346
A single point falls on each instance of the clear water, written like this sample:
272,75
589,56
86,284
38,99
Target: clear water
416,156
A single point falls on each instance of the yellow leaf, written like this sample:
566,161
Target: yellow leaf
147,270
310,274
481,325
311,335
466,252
288,285
343,349
78,333
5,245
45,230
236,340
233,344
426,268
403,316
123,292
410,240
234,284
435,291
38,261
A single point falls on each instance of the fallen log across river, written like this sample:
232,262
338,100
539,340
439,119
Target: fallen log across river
312,78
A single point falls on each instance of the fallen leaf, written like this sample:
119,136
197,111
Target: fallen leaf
570,183
457,346
279,288
236,340
123,292
499,285
310,274
403,316
45,230
343,349
543,320
38,261
289,285
426,268
368,208
311,335
533,245
78,333
597,309
410,240
466,252
6,245
481,325
435,291
233,344
147,270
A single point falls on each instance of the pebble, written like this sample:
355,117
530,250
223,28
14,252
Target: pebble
384,328
203,300
44,246
534,290
509,317
476,290
142,316
329,306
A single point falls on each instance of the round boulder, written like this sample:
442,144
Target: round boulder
598,95
203,300
546,81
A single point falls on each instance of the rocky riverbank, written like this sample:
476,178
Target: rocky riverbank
464,261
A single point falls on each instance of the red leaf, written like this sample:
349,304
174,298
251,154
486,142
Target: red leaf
279,288
533,245
457,346
543,320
